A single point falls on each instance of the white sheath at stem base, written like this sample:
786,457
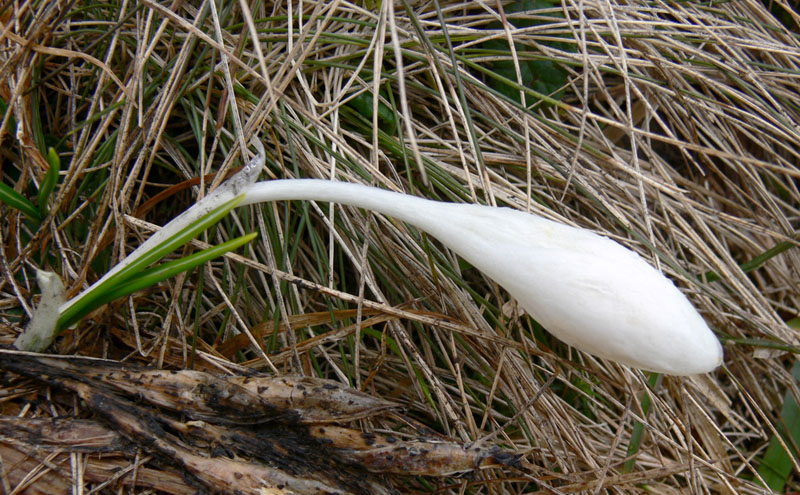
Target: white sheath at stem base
39,333
587,290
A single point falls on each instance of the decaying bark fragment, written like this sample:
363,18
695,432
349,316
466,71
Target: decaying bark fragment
251,434
313,399
228,399
220,472
387,454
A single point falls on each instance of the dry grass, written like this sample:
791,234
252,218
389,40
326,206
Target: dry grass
677,133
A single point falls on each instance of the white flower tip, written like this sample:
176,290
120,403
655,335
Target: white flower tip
656,327
606,300
587,290
40,332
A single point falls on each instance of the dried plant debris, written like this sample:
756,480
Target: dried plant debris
32,471
236,434
37,455
75,435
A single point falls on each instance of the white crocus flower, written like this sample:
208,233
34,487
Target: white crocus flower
587,290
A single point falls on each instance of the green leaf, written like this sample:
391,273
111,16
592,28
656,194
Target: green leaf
157,274
16,200
50,180
386,117
541,75
505,68
547,78
526,6
88,302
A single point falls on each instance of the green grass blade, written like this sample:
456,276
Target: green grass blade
762,343
638,428
126,274
776,465
157,274
16,200
755,263
12,122
50,180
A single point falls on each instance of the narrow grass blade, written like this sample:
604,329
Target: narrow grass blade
755,263
638,428
776,465
50,180
762,343
16,200
12,122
